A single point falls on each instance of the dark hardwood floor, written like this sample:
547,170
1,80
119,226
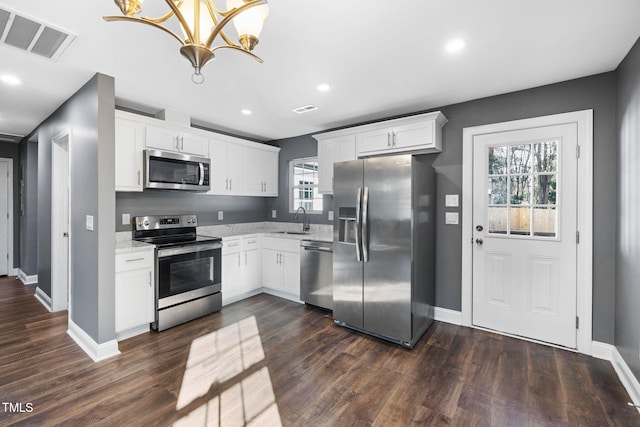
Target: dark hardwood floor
266,361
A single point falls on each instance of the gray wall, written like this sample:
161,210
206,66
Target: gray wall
235,209
296,148
9,150
29,216
89,114
595,92
627,302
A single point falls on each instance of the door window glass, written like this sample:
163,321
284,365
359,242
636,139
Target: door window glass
522,189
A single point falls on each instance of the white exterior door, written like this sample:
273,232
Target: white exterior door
525,232
4,218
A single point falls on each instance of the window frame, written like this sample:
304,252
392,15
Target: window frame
302,187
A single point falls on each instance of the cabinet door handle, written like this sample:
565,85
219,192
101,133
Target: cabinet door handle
245,258
150,279
134,259
182,143
226,184
388,139
138,177
231,245
395,136
238,260
177,144
277,258
229,183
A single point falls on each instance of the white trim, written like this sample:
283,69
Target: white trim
25,279
10,269
44,299
97,352
281,294
629,381
584,121
60,293
448,316
240,297
120,336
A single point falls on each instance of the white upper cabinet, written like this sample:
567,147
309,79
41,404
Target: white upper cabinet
243,168
172,139
261,166
332,150
129,146
238,167
418,134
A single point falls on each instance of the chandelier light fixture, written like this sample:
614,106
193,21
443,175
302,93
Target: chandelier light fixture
201,22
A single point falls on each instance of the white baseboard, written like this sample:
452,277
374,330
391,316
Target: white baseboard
25,279
629,381
96,352
121,336
448,316
228,301
280,294
44,299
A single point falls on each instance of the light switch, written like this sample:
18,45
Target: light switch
330,215
89,222
273,213
220,215
126,219
451,201
451,218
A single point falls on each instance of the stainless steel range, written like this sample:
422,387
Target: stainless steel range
188,268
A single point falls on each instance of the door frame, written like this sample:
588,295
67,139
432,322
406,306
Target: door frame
11,271
60,292
584,273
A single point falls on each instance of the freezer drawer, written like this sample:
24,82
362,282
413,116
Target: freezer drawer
316,273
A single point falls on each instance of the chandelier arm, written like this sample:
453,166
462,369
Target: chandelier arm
238,48
228,17
163,18
211,6
143,21
183,22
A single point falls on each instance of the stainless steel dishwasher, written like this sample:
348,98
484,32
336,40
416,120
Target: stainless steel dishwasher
316,273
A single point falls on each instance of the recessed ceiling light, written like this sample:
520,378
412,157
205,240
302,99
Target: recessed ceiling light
10,80
323,87
455,45
246,112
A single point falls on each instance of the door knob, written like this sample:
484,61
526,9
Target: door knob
479,240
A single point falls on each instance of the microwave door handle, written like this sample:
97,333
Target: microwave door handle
201,169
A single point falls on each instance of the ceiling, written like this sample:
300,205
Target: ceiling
379,61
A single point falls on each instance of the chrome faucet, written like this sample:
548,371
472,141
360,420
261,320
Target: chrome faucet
305,224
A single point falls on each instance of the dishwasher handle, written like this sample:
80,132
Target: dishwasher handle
317,248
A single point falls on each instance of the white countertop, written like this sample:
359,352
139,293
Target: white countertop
320,232
124,246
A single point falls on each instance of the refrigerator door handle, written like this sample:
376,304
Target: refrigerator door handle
365,225
358,225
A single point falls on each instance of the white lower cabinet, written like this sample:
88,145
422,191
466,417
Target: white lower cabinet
281,265
241,268
134,292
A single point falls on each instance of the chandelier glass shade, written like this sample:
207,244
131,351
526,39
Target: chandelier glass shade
201,22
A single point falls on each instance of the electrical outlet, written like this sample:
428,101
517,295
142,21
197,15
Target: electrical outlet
220,215
273,213
330,215
451,201
126,219
89,222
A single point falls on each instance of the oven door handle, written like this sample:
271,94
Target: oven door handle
188,249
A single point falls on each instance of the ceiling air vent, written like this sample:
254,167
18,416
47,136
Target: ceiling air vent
31,35
305,109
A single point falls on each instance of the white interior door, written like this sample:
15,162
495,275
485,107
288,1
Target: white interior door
525,232
4,218
60,223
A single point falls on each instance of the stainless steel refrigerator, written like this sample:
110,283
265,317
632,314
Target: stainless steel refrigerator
384,236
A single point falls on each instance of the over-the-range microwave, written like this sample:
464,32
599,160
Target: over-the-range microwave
175,171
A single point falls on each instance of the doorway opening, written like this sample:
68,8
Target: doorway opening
60,221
